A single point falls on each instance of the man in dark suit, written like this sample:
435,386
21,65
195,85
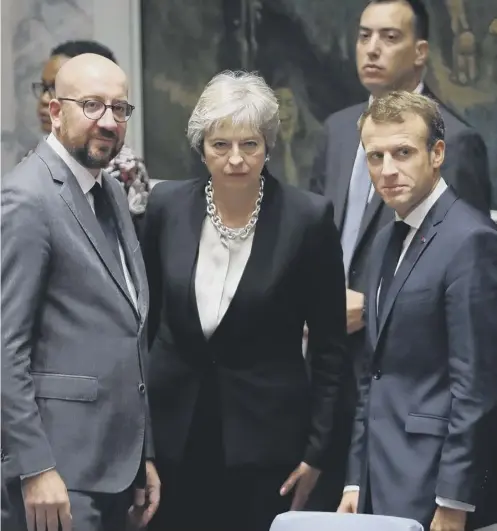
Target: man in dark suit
75,420
424,432
392,50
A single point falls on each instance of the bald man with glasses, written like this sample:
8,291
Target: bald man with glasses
75,419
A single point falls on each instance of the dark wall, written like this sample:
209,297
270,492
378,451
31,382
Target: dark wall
305,50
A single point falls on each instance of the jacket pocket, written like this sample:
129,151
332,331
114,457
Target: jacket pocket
427,424
65,386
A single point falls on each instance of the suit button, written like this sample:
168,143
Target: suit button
353,273
141,388
377,375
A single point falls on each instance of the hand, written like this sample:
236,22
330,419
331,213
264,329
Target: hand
304,477
355,307
146,500
446,519
46,502
349,502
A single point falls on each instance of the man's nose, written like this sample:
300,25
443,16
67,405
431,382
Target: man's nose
373,46
388,168
107,121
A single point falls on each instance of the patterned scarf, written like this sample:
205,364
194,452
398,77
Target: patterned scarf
131,172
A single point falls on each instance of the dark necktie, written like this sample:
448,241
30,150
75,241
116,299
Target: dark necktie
390,261
103,212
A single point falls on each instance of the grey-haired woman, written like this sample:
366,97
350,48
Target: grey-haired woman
237,264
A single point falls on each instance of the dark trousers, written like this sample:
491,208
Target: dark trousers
239,498
203,494
90,511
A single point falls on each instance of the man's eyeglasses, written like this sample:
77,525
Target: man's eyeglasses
95,109
40,87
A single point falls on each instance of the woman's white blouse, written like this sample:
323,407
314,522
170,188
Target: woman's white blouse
220,267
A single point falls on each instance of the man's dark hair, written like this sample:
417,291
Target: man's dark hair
421,17
74,48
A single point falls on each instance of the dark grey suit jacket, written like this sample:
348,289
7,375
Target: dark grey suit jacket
425,421
73,343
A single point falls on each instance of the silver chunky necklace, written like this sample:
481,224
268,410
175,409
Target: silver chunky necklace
227,232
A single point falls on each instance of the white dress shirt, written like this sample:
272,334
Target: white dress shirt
415,220
220,266
86,182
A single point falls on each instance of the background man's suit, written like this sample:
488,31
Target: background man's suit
425,422
73,392
465,168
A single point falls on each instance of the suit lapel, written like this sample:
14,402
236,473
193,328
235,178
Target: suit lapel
73,196
76,201
415,250
186,258
253,280
126,236
422,239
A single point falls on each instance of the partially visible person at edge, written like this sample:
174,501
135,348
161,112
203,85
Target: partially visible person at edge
126,167
239,427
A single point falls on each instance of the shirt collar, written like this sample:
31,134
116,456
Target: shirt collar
83,176
418,90
415,218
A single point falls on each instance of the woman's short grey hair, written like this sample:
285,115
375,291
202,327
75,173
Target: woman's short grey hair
241,97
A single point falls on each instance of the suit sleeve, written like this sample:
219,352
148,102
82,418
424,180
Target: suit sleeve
327,332
25,270
471,308
466,168
318,172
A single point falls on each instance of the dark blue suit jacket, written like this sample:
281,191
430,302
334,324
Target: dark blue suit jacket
425,420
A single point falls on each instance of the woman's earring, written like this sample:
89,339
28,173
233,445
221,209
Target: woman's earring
202,158
267,158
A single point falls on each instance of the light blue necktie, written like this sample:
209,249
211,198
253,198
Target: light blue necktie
357,199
